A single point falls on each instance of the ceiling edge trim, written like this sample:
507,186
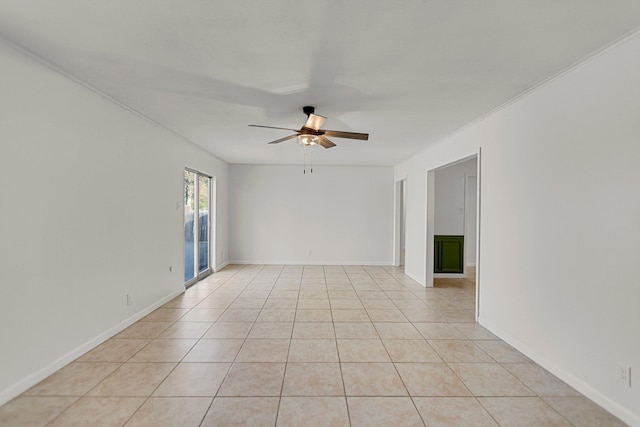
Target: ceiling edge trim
7,41
574,66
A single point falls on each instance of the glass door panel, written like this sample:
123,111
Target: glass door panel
204,190
189,225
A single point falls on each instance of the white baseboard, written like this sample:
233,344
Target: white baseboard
626,415
298,262
449,276
222,265
23,385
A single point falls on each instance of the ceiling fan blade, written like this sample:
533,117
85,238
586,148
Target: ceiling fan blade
314,122
277,141
273,127
349,135
325,142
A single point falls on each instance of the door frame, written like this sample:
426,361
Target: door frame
198,275
430,222
400,220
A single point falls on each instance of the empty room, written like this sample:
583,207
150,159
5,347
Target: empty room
325,213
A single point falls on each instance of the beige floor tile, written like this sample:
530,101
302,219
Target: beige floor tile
277,315
370,350
372,379
170,412
384,304
501,352
431,379
383,412
114,350
202,315
313,412
350,330
133,379
75,379
280,303
313,350
239,315
410,304
438,331
186,330
33,411
395,331
238,330
346,304
182,302
459,351
582,412
350,315
293,314
313,315
264,350
318,330
193,379
215,302
165,315
539,380
411,351
474,331
253,379
398,295
453,412
489,379
242,411
144,330
372,295
284,294
164,350
386,315
248,303
264,294
313,379
271,330
99,411
342,294
422,315
522,411
214,350
313,303
310,293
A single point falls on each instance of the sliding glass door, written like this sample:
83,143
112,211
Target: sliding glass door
197,230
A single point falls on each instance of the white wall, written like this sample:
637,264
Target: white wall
89,195
559,223
343,215
450,193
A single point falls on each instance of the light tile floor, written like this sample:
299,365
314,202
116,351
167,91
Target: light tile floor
306,346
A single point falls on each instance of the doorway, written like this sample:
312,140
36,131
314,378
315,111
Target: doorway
197,226
400,222
453,211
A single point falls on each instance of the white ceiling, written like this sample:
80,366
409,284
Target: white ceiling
407,72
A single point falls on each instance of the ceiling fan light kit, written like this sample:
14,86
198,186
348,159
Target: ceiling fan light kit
310,134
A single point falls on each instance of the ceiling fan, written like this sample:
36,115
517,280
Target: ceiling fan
310,134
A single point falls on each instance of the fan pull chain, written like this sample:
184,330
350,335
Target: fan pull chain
311,154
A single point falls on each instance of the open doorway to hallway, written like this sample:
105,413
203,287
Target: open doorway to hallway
452,228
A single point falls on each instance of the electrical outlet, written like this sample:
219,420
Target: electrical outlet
129,299
623,374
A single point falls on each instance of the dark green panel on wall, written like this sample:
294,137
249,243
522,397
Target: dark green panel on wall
448,254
